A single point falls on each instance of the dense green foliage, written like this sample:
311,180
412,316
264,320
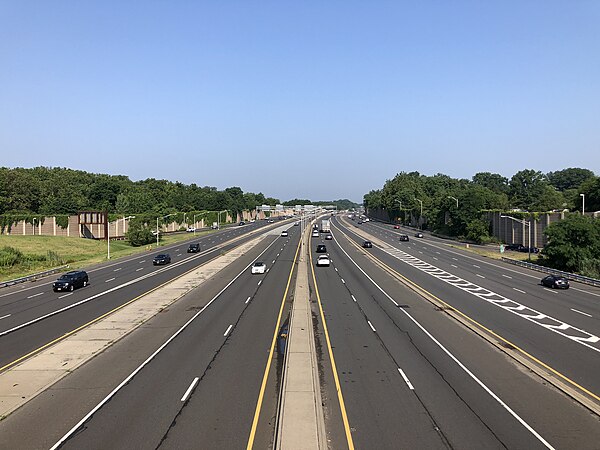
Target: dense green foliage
527,190
138,234
341,204
574,245
52,191
10,257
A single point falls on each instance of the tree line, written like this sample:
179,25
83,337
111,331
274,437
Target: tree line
527,190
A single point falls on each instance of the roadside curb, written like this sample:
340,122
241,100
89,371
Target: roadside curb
301,423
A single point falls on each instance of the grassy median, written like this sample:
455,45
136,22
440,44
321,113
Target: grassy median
24,255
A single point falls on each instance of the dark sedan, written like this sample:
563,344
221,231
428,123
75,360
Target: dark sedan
161,259
555,282
193,248
71,280
367,244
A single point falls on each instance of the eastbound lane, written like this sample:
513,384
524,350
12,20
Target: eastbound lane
500,406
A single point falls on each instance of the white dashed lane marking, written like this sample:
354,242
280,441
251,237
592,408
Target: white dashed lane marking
557,326
574,310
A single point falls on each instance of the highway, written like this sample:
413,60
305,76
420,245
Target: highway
420,345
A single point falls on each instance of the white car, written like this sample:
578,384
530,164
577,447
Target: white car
323,260
284,234
191,229
259,267
315,234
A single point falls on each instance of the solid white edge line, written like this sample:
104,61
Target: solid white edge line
451,356
406,380
575,310
228,330
189,389
150,358
371,325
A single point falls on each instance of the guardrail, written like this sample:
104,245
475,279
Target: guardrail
33,276
567,275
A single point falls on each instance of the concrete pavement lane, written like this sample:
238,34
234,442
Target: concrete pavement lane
455,401
576,361
229,370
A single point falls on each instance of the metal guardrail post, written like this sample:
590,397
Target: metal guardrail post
33,276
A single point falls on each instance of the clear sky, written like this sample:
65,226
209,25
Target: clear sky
308,99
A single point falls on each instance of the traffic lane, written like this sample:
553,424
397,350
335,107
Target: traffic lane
29,338
576,361
226,397
542,301
195,353
119,272
376,396
465,414
46,282
36,424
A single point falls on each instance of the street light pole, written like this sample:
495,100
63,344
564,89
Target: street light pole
195,224
528,224
421,215
108,233
157,235
34,219
582,204
455,199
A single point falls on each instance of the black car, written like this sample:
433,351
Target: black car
193,248
419,235
514,247
242,223
367,244
71,280
403,237
555,282
321,248
161,259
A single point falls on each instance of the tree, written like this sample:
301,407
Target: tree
572,241
492,181
478,231
591,190
526,187
570,178
138,234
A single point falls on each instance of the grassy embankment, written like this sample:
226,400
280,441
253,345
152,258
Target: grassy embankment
24,255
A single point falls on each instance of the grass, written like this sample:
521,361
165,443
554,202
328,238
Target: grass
40,253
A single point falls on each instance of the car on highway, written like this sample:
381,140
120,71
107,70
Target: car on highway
323,261
315,233
419,234
191,229
396,227
359,222
193,248
514,247
258,267
71,280
284,234
403,237
321,248
555,282
242,223
328,237
296,224
367,244
162,259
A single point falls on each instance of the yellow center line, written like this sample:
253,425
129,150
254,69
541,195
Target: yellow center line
333,365
270,358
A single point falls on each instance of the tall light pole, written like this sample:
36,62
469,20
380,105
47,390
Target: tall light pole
582,204
164,217
108,233
400,202
195,225
528,224
34,219
455,199
219,218
421,215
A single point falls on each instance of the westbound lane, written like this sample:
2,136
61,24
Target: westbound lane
226,347
60,316
373,338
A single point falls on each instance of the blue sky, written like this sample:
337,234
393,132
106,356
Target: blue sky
319,100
